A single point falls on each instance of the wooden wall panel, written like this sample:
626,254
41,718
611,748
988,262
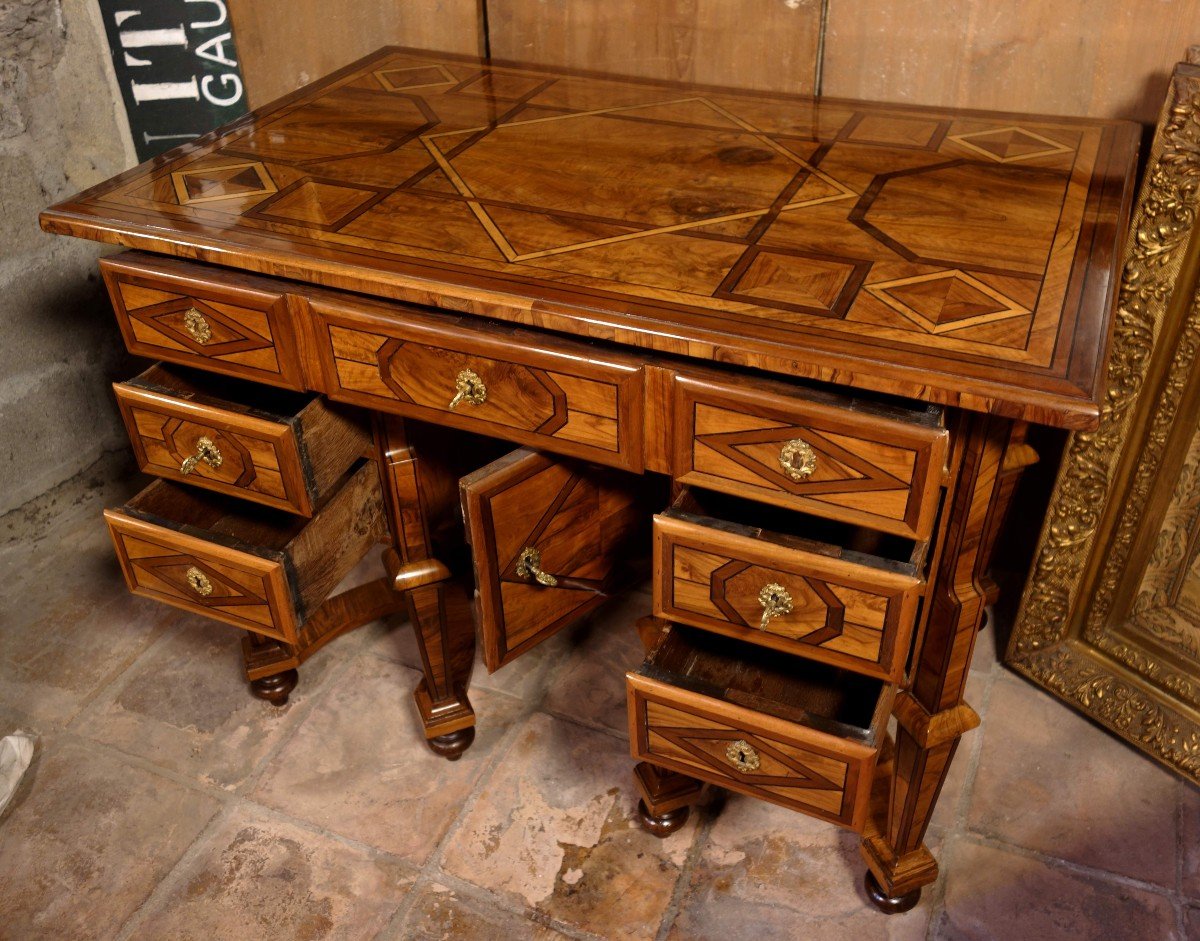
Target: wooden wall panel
764,44
284,44
1102,58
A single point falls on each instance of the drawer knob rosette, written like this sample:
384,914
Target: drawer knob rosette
798,459
529,566
198,582
196,326
468,387
775,601
207,452
741,755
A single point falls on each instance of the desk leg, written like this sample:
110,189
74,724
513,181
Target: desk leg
930,713
421,495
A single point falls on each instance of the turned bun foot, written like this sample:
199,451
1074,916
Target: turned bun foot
276,687
451,745
662,825
889,905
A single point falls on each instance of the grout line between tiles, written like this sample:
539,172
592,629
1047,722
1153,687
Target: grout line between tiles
683,883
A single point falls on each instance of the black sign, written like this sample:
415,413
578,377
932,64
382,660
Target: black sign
177,67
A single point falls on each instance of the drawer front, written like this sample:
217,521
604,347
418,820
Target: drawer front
548,538
864,467
525,388
750,752
239,588
221,450
850,614
218,322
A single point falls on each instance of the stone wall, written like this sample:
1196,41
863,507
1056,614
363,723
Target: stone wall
62,129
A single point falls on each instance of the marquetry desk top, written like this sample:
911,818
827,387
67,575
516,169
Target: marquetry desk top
959,257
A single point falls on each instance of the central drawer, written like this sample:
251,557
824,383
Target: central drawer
531,388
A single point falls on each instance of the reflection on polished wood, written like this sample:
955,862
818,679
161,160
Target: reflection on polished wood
953,256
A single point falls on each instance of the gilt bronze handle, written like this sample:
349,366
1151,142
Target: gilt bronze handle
207,452
775,602
468,387
798,459
529,565
196,326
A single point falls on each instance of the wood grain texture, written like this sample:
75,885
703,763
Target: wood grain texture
1104,58
258,569
766,44
957,257
284,44
289,458
580,521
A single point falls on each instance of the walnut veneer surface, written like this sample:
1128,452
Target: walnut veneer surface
661,246
954,256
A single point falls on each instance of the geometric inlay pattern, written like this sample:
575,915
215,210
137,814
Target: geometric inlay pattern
801,282
946,300
708,747
403,80
320,203
228,181
1010,144
227,335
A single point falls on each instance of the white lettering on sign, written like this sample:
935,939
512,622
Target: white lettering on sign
217,43
165,91
141,38
226,80
222,14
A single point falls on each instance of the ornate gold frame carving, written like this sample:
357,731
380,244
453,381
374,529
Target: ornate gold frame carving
1111,500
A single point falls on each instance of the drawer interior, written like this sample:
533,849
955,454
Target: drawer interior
225,392
792,529
828,699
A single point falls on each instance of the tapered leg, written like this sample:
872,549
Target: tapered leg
441,617
667,798
931,714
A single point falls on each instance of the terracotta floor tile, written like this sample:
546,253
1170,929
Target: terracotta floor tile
995,895
187,707
359,765
590,686
86,840
553,829
441,914
258,878
1050,781
769,874
954,789
1189,840
1191,922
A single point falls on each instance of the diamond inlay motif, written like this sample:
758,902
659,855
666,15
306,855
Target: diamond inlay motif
231,181
319,203
946,300
808,284
418,77
1010,144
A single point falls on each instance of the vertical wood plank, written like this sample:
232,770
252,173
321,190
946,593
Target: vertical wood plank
762,44
1101,58
285,44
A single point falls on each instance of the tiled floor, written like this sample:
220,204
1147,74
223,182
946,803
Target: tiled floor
165,803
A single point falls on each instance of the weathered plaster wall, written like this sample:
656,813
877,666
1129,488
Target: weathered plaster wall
61,129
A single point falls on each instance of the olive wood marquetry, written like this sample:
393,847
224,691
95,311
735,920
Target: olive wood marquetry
953,256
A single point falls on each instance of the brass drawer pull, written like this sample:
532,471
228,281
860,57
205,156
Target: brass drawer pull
529,565
798,459
741,755
196,326
207,452
775,602
198,582
470,387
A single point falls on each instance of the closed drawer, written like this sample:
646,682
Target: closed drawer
518,385
784,589
550,540
220,321
875,465
251,567
278,448
785,730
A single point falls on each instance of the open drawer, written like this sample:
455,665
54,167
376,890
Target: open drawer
550,539
828,591
786,730
272,446
252,567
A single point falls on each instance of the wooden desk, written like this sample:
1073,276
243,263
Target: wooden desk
828,323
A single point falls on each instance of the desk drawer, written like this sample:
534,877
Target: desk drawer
852,609
278,448
220,321
874,465
514,384
774,727
251,567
